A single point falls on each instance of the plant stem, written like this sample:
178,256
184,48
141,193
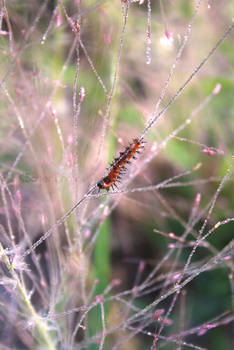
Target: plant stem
40,324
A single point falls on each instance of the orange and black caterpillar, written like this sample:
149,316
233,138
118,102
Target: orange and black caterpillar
118,166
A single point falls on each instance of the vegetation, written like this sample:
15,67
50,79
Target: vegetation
148,265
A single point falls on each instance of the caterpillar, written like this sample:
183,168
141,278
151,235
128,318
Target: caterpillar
118,166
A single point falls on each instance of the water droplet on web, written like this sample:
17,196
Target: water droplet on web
148,39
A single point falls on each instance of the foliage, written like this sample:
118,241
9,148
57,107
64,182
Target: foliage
148,265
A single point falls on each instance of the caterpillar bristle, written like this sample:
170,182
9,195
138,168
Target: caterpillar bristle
118,166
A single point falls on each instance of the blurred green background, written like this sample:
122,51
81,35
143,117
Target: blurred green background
126,236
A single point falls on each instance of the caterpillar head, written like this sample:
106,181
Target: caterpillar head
101,185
